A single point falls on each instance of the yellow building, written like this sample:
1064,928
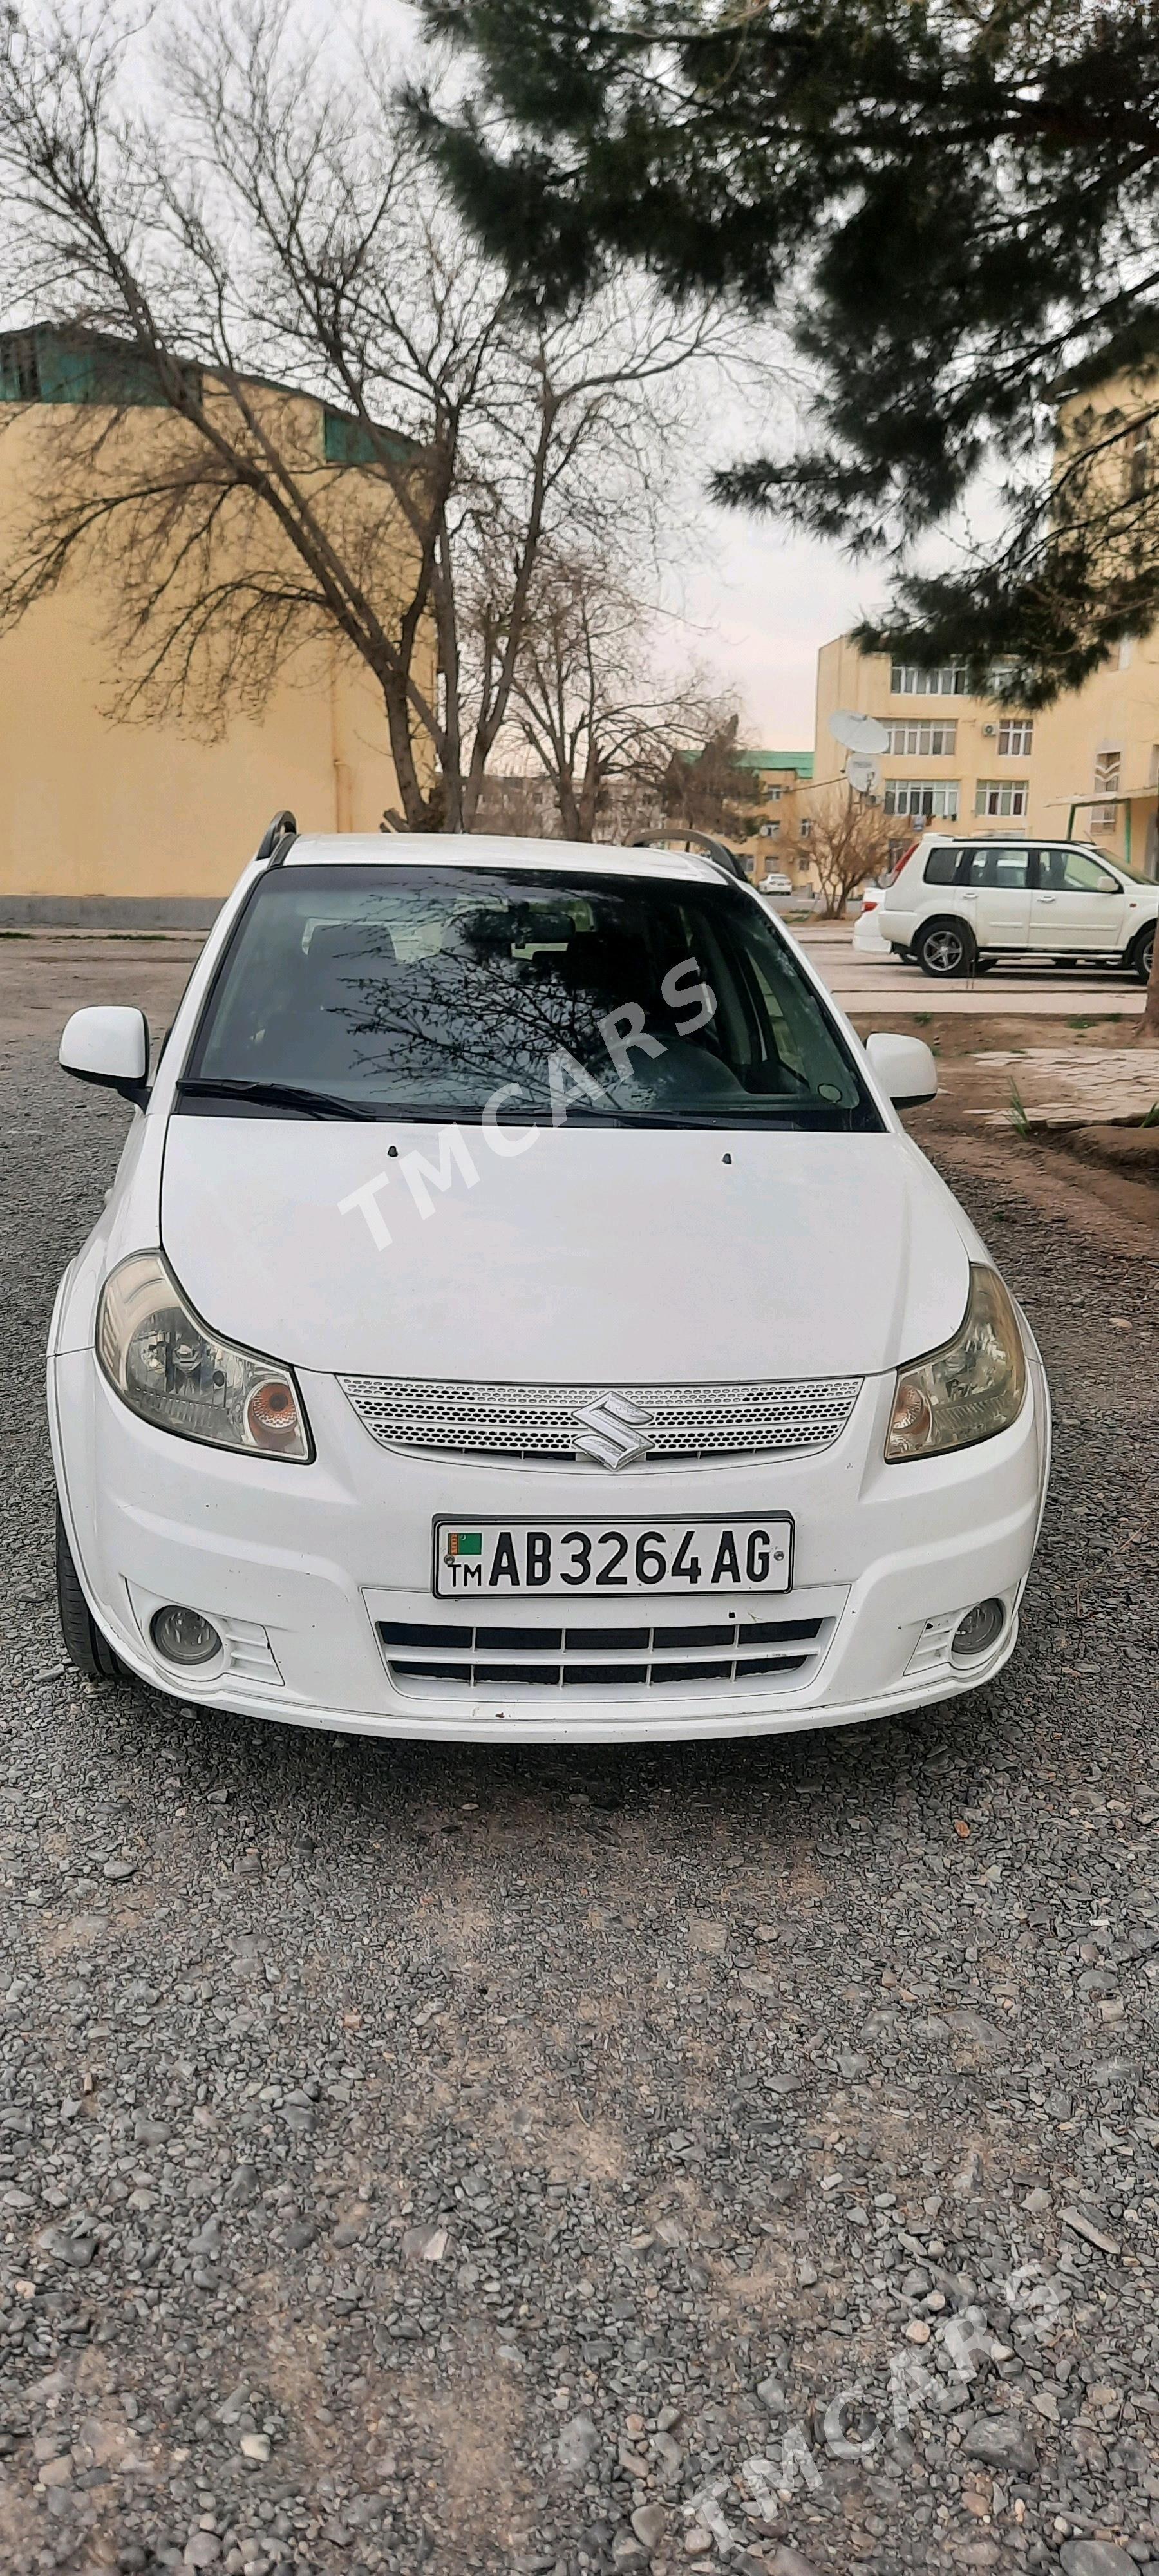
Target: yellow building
779,839
96,808
1088,765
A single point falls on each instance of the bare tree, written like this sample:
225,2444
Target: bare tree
573,698
252,218
712,791
850,842
588,704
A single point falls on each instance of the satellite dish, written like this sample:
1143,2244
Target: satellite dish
863,774
859,733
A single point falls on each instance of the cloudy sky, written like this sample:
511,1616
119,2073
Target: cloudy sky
758,607
761,608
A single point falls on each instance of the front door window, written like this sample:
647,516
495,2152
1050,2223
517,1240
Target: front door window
1078,904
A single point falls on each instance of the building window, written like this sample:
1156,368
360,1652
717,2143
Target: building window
1108,764
1138,473
921,798
346,440
922,741
44,365
1015,738
773,795
806,829
1006,797
19,367
909,680
769,832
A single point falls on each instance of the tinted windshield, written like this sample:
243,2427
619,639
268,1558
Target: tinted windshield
423,992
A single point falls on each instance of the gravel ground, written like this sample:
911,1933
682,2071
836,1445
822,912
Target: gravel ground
546,2161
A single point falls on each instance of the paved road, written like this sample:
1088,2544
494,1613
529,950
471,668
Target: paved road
1037,992
473,2160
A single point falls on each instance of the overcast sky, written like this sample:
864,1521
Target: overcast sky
762,608
759,607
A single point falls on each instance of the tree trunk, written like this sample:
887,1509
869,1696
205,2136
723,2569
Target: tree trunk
567,806
1149,1024
588,800
416,807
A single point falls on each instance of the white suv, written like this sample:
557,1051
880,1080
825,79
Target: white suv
957,905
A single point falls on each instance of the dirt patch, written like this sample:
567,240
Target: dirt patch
587,2151
1116,1214
474,2428
953,1036
763,2289
1132,1152
43,980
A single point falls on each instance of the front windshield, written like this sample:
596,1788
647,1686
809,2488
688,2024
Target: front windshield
436,992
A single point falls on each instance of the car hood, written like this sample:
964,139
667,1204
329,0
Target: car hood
592,1256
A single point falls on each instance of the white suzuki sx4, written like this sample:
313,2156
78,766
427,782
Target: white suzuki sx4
521,1313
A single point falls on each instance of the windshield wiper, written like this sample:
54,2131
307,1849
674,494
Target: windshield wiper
276,1095
752,1113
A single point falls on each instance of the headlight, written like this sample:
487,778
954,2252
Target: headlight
971,1388
168,1368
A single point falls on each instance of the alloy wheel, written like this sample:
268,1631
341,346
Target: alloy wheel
943,951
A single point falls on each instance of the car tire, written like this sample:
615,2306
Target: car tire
946,948
83,1643
1143,953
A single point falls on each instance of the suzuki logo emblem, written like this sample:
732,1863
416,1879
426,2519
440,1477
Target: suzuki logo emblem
613,1432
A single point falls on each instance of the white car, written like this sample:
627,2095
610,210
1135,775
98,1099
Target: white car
958,904
776,882
868,940
416,1378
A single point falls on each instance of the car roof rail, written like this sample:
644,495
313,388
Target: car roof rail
276,839
706,844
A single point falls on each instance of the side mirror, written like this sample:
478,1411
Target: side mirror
904,1067
109,1045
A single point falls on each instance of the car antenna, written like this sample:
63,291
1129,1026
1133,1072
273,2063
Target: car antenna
276,839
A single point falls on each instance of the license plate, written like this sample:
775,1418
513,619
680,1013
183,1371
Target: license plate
510,1560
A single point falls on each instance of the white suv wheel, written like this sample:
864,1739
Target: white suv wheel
944,949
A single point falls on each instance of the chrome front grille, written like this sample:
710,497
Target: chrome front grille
430,1657
539,1422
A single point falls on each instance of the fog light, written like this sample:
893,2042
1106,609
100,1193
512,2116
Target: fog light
183,1636
979,1630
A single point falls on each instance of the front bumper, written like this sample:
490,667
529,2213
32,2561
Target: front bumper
296,1564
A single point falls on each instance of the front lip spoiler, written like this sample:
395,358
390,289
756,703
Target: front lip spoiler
640,1726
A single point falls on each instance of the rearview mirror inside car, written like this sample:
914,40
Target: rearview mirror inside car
109,1044
904,1067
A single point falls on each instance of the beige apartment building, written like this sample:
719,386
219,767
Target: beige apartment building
94,807
781,819
1087,766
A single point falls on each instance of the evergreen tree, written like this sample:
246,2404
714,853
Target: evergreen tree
952,207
